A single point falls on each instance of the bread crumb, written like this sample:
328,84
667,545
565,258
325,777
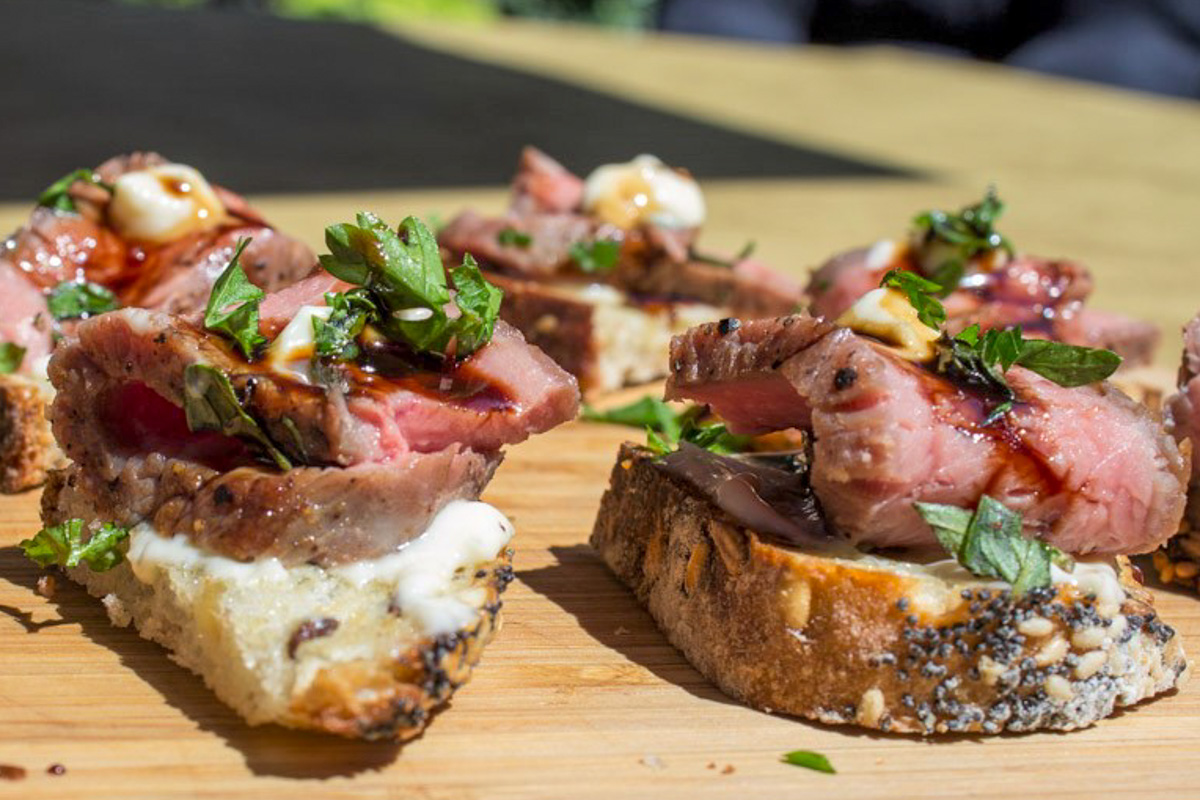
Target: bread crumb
729,770
711,765
46,586
117,613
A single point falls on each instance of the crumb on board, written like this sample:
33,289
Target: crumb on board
652,761
46,586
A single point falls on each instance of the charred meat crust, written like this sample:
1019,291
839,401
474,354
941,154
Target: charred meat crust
829,640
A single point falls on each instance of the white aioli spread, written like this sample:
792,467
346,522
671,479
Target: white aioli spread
461,535
162,203
292,351
644,190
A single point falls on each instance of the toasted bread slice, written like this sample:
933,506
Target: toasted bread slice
27,447
341,650
876,642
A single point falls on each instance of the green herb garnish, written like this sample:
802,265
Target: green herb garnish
64,546
511,237
58,194
404,276
989,543
809,760
211,404
667,428
600,255
968,234
921,293
746,251
337,337
11,356
80,300
233,306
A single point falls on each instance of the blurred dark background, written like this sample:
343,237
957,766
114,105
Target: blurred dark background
1149,45
309,95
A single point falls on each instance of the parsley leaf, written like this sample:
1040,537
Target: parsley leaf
58,194
210,404
666,428
600,255
1066,364
989,543
403,273
11,356
233,305
336,337
809,760
80,300
921,293
64,546
511,237
967,234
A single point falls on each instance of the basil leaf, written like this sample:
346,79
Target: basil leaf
11,356
598,256
479,302
656,443
1002,347
80,300
336,337
921,293
210,404
1067,364
233,305
58,194
666,428
990,543
64,546
809,760
511,237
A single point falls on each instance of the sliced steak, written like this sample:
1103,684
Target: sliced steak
1044,296
550,238
383,455
542,185
1091,470
24,319
308,515
1183,411
500,395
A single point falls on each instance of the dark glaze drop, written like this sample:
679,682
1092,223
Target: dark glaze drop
386,363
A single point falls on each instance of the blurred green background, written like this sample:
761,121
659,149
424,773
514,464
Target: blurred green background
613,13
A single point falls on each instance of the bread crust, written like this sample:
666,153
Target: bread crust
864,643
27,447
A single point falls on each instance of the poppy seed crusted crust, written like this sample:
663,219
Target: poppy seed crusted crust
873,642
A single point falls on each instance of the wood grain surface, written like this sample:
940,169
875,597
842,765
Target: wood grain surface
580,696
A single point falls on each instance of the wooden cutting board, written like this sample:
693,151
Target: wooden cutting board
580,696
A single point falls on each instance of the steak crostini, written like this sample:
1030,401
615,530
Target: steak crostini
284,490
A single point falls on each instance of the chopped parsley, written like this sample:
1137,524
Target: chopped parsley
402,275
978,359
65,546
337,337
511,237
666,428
233,306
989,543
58,194
11,356
809,760
80,300
600,255
966,234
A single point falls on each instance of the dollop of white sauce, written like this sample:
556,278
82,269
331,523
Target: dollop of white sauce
160,204
881,254
462,535
644,190
1097,578
291,353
